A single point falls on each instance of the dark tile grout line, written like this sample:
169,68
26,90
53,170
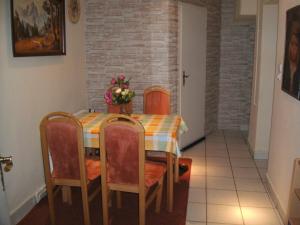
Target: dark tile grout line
234,178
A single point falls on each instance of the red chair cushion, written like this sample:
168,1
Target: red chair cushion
153,172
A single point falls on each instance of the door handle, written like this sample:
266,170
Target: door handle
184,76
8,164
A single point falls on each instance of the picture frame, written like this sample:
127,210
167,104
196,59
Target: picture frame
38,27
291,67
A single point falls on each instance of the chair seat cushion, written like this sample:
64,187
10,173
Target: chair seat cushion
153,172
92,168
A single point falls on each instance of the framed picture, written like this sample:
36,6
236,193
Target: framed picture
38,27
291,69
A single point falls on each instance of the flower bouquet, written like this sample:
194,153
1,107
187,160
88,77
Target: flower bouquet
119,96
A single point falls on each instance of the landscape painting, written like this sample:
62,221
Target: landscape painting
38,27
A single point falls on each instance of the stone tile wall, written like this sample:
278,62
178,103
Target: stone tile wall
237,49
140,39
134,37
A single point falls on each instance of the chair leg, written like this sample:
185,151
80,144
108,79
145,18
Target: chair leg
85,202
159,195
105,210
142,208
51,203
119,199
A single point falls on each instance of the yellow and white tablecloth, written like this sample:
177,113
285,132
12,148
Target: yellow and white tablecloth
160,130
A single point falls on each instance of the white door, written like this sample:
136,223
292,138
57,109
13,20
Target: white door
192,52
4,212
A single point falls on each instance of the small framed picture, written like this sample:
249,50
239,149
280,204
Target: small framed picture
291,70
38,27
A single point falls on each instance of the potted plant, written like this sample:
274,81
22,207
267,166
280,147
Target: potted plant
119,96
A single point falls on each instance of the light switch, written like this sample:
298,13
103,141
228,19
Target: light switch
280,72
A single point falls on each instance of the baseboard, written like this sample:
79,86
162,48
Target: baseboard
275,198
24,208
260,155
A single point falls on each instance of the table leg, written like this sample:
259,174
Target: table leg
170,182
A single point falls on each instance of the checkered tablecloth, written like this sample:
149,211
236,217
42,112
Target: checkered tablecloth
160,130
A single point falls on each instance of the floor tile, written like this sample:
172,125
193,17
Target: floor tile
198,170
223,183
197,195
222,197
218,171
194,223
211,164
217,161
232,133
254,199
216,146
196,212
249,185
260,216
224,214
195,151
215,139
241,162
261,163
235,141
197,181
219,224
217,153
245,173
237,147
198,160
239,154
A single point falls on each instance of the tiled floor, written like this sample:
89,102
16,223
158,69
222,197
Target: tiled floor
227,186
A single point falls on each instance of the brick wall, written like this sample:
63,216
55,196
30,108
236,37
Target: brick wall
134,37
237,49
140,39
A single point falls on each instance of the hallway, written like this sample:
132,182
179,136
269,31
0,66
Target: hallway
227,186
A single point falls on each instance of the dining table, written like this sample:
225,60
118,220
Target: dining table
161,134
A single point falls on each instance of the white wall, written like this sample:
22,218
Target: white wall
29,88
285,141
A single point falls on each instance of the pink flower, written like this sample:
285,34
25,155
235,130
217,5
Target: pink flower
122,77
113,81
125,86
108,97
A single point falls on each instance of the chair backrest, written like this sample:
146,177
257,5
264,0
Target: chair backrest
62,139
122,149
156,101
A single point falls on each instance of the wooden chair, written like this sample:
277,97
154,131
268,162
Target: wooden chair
156,101
123,166
62,139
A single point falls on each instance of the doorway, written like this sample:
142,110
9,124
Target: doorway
192,70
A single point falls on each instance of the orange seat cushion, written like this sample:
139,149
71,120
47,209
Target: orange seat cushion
153,172
92,169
